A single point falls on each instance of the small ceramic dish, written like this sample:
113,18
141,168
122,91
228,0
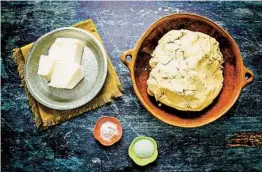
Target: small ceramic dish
93,60
142,161
236,75
117,131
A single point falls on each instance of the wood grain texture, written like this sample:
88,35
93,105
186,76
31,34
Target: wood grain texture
247,140
71,146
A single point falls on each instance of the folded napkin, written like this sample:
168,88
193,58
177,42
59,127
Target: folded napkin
46,117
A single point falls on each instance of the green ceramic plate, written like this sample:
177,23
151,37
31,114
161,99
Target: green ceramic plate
94,62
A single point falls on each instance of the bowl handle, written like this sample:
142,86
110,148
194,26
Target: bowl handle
248,76
123,58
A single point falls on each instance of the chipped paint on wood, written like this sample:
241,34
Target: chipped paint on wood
247,140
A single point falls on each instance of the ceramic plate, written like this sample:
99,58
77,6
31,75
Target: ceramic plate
94,62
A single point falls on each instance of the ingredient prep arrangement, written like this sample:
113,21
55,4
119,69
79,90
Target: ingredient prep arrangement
165,86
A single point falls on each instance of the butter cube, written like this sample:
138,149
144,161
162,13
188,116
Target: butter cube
46,67
66,75
67,49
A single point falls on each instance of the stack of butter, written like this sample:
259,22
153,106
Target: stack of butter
62,64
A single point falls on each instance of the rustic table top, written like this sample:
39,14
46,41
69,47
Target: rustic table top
232,143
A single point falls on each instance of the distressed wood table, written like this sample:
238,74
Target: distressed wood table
232,143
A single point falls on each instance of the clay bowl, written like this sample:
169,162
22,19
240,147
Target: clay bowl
236,75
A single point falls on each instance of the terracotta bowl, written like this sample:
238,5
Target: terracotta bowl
236,75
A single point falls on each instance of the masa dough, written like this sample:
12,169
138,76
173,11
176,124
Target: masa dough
187,72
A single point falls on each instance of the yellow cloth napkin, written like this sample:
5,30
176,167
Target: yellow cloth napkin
46,117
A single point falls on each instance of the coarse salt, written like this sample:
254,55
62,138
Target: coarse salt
108,130
144,148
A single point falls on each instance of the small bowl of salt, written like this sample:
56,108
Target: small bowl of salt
108,130
143,150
